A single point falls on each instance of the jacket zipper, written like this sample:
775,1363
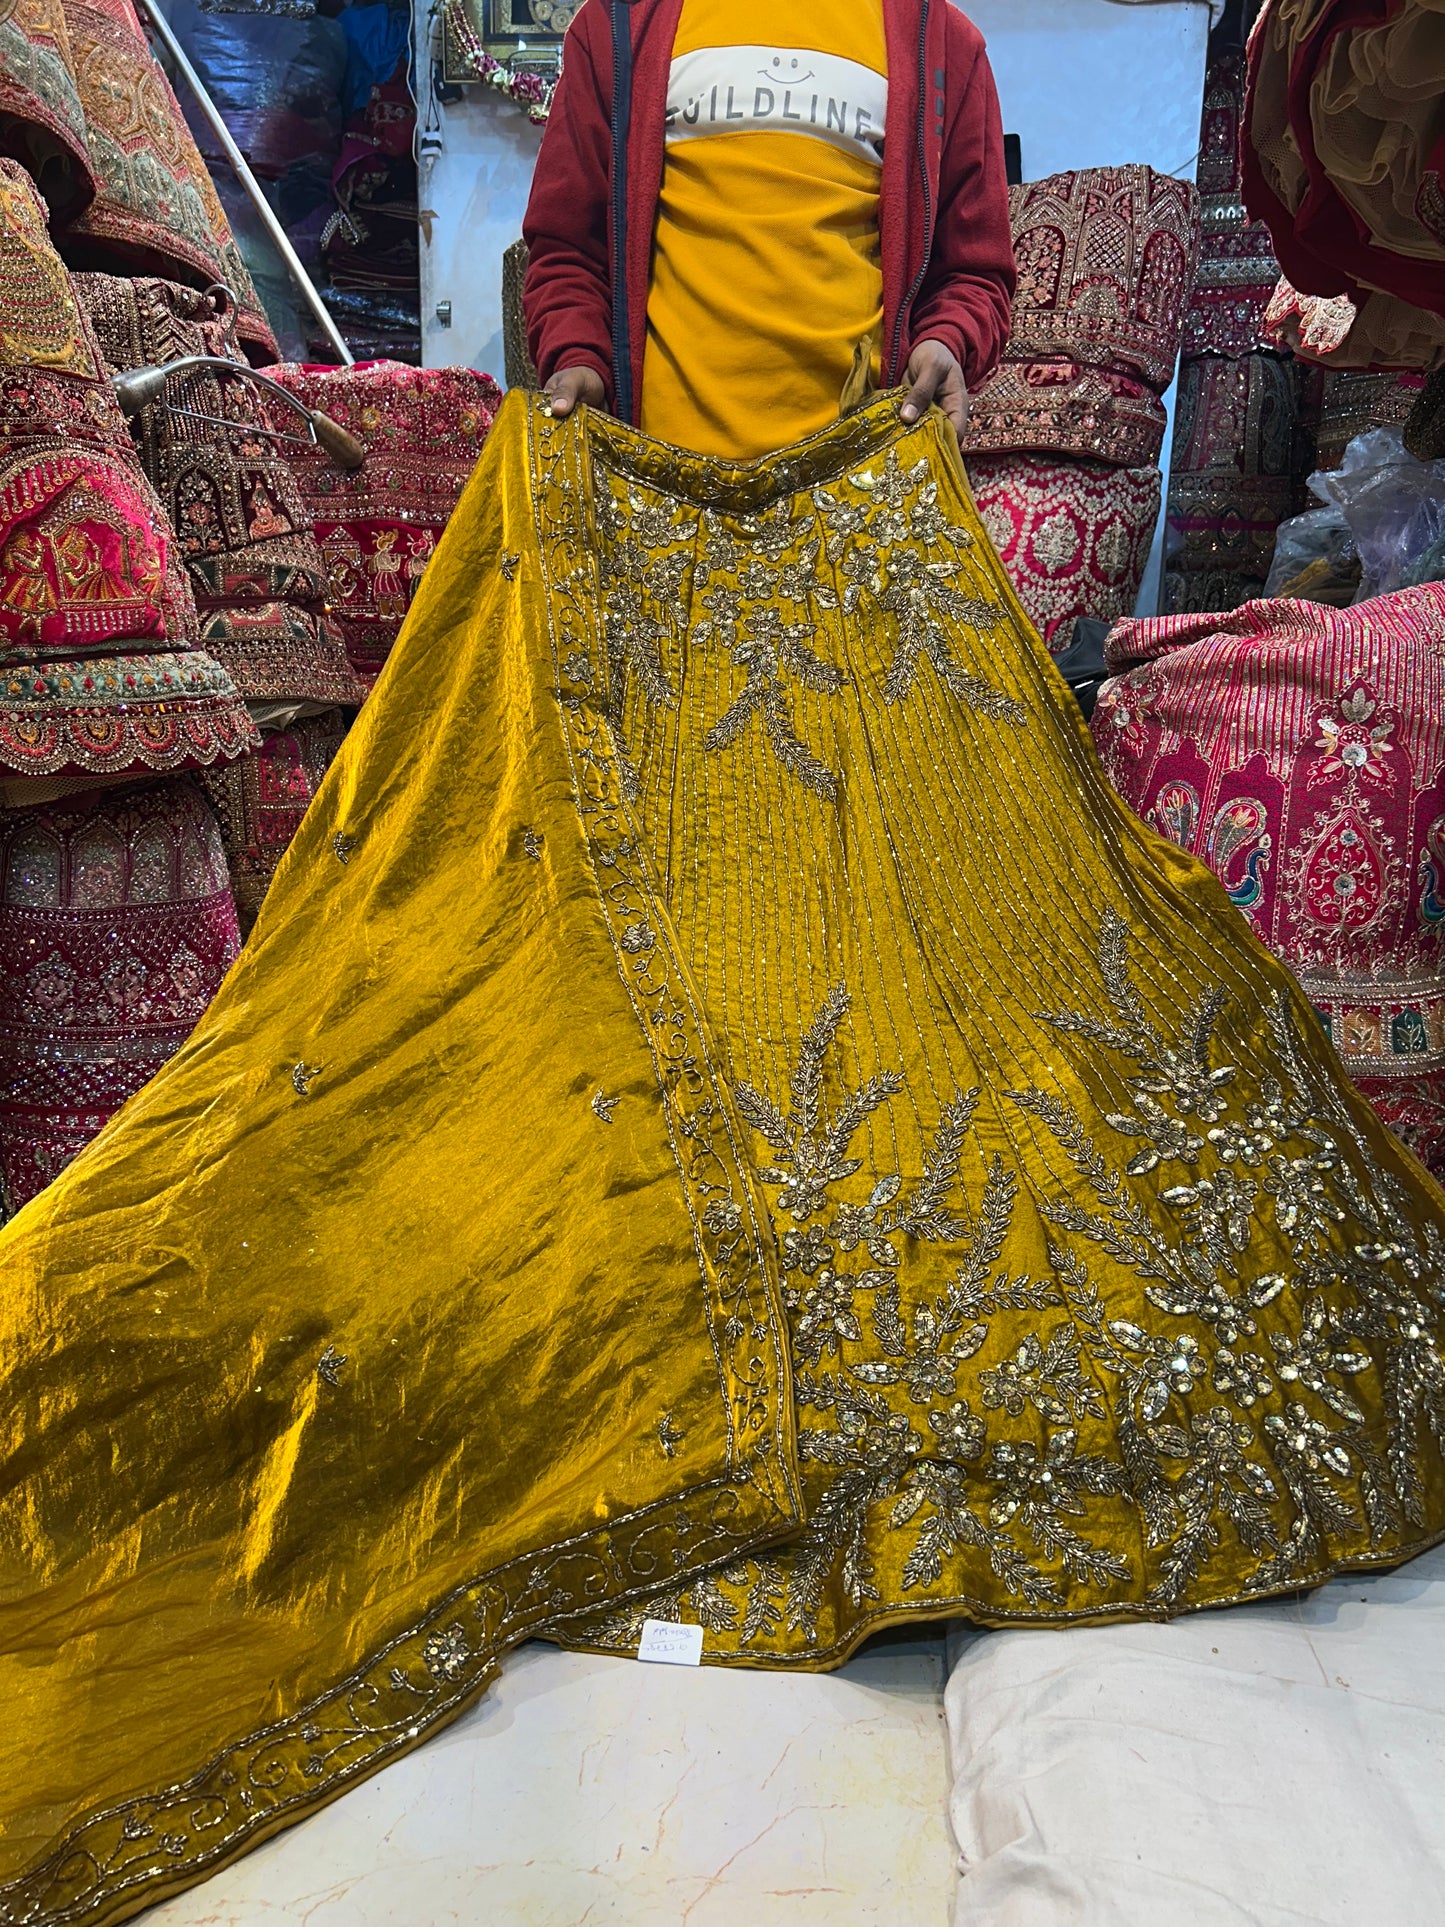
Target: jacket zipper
621,127
907,306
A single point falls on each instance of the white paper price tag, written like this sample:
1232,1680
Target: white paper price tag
668,1644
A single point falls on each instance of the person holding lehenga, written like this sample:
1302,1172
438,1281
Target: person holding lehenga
723,1115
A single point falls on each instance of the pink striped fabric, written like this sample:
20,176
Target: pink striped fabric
1299,750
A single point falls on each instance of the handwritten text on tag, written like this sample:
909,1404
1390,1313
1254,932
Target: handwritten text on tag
668,1644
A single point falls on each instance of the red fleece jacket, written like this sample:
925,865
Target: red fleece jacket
948,265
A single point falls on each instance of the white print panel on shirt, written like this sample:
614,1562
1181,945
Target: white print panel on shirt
778,90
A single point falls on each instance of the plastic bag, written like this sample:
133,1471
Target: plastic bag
1394,506
1315,559
1429,568
277,81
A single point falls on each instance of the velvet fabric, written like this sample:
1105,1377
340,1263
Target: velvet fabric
1106,260
1073,536
665,1144
1351,404
377,527
229,492
1342,152
261,799
1237,269
1241,440
116,929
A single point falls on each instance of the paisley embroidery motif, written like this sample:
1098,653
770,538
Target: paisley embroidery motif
1175,813
1238,849
1334,723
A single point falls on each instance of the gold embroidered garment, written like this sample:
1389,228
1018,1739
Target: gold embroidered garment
745,1120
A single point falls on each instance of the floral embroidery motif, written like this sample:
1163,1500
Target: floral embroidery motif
532,844
753,584
877,540
603,1106
446,1653
640,590
303,1076
1230,1422
329,1366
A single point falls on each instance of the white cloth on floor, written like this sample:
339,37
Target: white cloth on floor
1262,1766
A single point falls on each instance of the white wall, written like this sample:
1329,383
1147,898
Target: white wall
1087,83
1083,83
477,190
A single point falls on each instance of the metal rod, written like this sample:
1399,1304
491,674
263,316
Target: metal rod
137,388
279,238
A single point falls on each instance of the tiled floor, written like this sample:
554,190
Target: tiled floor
583,1790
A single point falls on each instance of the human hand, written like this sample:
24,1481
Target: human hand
571,385
936,376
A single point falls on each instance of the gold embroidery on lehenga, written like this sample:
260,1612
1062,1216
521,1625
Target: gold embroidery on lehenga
378,1710
303,1076
710,1156
886,539
761,580
1029,1456
329,1366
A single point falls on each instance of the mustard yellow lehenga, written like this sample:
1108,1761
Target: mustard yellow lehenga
740,1124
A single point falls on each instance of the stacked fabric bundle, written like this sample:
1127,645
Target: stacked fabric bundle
1242,425
372,242
1237,268
1343,156
42,123
156,210
115,925
1300,751
261,799
1241,452
259,580
423,430
85,105
1352,404
1063,440
116,929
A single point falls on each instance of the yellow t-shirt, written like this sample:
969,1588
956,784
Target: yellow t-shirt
766,268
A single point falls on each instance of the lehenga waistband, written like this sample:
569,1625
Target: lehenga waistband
748,488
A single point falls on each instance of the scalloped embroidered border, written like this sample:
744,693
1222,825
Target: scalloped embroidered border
134,1853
